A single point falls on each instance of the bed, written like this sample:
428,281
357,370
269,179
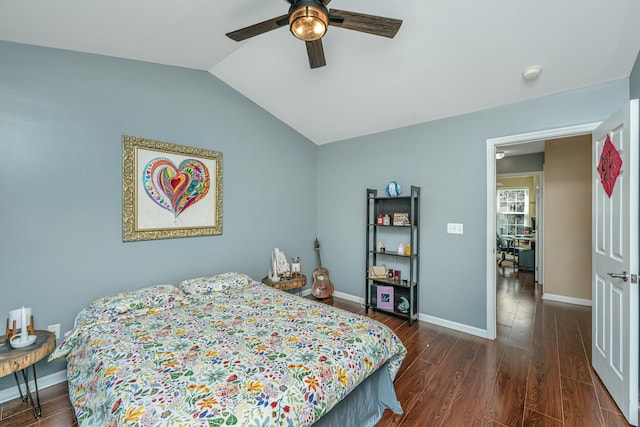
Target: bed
227,350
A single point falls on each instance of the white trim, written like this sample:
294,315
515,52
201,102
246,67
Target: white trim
568,300
349,297
339,294
545,134
491,240
491,202
44,382
453,325
422,317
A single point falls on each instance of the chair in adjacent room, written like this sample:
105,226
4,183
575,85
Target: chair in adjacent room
503,249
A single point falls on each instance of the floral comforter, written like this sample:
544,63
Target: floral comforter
223,350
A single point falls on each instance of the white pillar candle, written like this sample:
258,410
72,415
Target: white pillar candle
24,335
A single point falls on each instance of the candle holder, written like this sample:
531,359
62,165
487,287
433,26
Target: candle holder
13,329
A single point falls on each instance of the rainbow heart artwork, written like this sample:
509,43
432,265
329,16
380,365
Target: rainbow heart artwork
175,188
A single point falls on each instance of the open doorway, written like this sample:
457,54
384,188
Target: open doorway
491,148
519,208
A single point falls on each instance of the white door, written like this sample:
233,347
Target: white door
615,262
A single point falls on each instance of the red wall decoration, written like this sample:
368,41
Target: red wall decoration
609,166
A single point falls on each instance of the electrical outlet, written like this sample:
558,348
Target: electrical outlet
55,329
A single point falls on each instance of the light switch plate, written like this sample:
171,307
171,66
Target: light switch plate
454,228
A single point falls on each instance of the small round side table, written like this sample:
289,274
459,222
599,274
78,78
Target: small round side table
13,360
294,283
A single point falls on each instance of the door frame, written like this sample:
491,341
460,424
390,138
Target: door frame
555,133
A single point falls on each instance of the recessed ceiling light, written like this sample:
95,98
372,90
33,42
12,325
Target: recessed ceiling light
532,72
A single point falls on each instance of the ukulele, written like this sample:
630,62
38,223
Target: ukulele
322,287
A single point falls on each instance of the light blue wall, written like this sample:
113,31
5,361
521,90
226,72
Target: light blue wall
446,158
62,116
634,80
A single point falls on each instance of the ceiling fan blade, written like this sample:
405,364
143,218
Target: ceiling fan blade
259,28
376,25
315,52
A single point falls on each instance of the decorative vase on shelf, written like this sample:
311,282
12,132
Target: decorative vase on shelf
393,189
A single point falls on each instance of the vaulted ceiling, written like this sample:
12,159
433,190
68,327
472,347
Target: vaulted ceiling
449,57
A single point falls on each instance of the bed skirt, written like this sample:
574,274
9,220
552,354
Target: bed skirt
363,407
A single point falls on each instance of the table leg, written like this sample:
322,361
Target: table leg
15,374
37,410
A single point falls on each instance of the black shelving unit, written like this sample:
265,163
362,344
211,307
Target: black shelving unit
407,263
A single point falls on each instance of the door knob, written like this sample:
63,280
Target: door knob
624,276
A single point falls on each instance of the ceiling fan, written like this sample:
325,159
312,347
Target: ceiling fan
308,20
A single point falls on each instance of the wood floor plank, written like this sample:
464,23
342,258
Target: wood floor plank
544,330
408,388
468,407
439,348
50,410
568,330
614,419
583,317
580,404
536,419
544,393
574,363
509,392
604,398
435,401
417,344
488,357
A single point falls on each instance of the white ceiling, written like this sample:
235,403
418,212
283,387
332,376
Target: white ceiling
449,57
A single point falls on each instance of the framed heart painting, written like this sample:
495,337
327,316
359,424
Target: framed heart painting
169,190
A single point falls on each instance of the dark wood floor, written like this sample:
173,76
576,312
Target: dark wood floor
537,373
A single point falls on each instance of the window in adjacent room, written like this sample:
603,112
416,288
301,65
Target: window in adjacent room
513,210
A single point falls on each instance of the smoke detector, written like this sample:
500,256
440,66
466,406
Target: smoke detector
532,72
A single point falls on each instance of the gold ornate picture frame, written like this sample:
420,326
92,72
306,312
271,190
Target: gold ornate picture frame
169,191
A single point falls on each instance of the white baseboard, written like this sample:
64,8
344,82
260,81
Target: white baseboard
348,297
568,300
339,294
422,317
460,327
44,382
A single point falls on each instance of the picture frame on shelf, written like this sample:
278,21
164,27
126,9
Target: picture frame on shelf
385,299
401,219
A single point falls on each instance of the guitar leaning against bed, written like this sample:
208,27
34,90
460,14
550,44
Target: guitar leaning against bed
322,287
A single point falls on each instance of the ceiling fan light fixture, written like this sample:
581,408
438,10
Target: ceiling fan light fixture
308,20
